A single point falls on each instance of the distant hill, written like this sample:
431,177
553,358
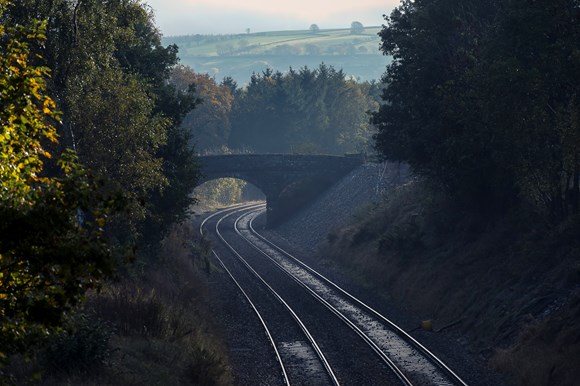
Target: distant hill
239,55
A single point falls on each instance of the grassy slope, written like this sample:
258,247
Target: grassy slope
161,330
513,284
258,43
338,48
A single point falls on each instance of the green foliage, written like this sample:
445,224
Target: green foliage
534,54
223,191
482,99
305,111
125,150
424,120
83,347
209,124
181,168
24,111
110,73
65,220
109,89
52,246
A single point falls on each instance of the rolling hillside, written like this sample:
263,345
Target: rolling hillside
240,55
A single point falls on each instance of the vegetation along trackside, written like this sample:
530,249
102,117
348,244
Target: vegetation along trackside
103,276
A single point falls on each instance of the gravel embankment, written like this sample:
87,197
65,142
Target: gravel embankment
336,206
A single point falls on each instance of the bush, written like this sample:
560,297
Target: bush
82,348
136,311
205,367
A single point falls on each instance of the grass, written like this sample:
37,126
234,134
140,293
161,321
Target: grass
259,43
241,55
512,282
546,351
152,330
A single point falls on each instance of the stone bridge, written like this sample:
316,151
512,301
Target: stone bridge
288,181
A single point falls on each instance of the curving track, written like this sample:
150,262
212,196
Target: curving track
300,358
354,343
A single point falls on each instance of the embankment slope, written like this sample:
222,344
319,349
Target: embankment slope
510,287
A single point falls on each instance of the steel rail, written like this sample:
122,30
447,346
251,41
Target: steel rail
295,316
388,361
221,211
252,305
303,328
429,355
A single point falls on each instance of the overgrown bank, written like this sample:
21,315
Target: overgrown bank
511,283
151,327
482,103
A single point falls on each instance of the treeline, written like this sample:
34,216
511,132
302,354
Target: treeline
94,168
109,77
483,100
355,47
199,39
242,47
301,111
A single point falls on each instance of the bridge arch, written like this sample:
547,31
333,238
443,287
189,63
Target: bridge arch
287,180
228,190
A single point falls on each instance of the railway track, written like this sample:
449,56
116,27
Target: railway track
406,360
300,358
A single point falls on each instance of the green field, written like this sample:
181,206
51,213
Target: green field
240,55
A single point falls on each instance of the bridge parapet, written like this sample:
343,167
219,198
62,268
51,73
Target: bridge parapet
279,162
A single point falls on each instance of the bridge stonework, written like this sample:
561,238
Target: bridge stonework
288,181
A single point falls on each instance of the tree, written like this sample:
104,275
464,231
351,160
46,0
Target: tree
356,28
431,117
314,28
482,100
312,49
52,244
209,124
533,58
111,79
117,107
231,84
309,110
259,115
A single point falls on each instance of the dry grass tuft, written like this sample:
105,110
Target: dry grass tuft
546,351
162,327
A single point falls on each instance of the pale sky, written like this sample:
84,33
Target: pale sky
188,17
